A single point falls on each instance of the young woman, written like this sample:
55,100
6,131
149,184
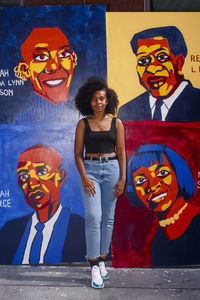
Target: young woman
102,169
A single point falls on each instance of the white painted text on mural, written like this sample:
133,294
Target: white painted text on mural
3,201
5,84
4,193
16,82
6,92
4,73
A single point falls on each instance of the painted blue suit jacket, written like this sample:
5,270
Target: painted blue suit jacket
185,108
73,235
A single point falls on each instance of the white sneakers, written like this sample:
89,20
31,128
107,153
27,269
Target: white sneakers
103,271
97,281
98,274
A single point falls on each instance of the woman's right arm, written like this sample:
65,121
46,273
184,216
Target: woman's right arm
78,150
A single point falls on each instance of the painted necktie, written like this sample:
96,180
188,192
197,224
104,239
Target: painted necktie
36,245
157,113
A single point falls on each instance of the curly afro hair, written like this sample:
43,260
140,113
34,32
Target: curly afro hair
85,93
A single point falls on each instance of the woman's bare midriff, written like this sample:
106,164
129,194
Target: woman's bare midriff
98,154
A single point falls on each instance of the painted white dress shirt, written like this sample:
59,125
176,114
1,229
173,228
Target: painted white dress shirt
47,232
167,103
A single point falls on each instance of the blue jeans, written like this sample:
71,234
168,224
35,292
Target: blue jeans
100,209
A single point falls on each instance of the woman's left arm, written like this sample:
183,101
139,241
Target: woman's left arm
121,154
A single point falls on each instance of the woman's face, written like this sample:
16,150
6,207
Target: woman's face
99,101
156,186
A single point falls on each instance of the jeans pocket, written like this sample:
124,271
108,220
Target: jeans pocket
114,164
88,165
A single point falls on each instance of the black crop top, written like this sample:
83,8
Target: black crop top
100,141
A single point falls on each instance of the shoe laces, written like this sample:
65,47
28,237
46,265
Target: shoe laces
102,268
96,271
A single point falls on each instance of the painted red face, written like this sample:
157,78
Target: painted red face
50,63
156,186
158,69
39,176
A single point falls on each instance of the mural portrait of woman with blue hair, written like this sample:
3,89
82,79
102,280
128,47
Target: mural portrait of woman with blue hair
160,178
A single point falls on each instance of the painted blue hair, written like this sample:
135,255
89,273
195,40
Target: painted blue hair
171,33
147,154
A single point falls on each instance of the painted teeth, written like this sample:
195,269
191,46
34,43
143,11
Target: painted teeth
54,82
159,196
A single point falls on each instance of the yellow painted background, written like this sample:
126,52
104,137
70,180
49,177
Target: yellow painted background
121,62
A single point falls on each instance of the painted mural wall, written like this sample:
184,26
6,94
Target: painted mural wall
153,64
47,53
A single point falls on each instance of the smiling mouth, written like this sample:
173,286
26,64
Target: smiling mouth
156,82
53,83
159,197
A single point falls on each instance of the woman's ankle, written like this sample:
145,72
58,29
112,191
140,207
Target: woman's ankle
94,262
102,258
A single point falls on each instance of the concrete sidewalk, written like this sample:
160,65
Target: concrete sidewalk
73,282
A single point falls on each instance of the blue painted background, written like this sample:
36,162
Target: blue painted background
27,119
84,26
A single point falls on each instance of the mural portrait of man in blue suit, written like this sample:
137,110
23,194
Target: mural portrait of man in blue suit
160,54
51,234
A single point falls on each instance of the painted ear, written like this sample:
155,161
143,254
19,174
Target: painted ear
22,71
62,175
74,59
180,61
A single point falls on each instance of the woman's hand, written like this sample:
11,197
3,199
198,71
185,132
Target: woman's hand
119,188
121,154
89,186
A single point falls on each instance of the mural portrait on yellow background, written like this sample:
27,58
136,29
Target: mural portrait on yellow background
160,55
